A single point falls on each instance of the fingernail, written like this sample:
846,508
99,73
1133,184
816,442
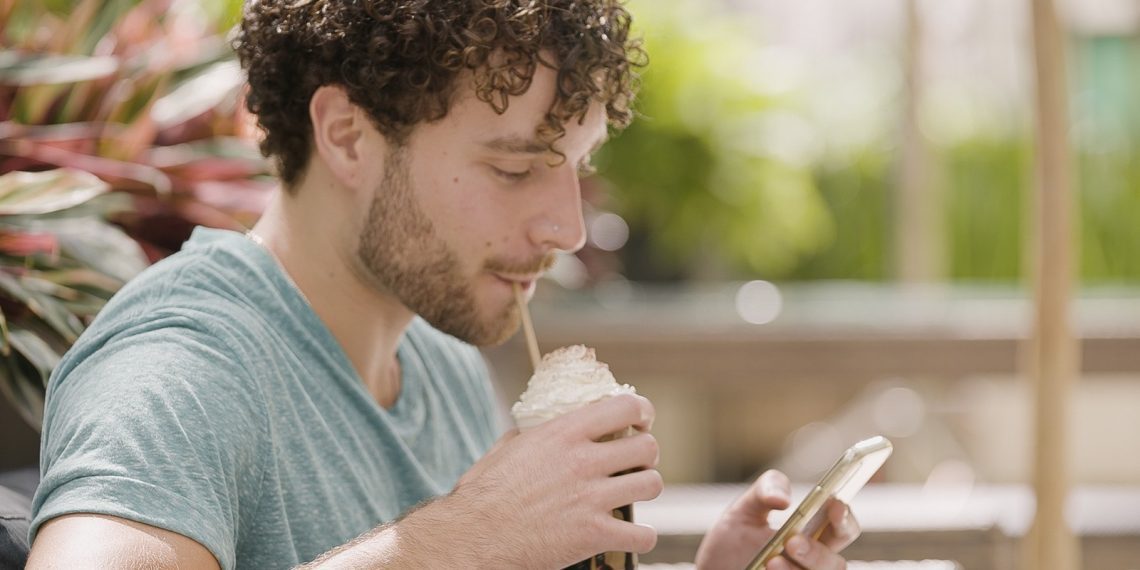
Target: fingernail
798,546
775,492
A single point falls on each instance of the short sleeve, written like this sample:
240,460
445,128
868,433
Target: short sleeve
161,426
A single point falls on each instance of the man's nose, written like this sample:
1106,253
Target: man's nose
561,224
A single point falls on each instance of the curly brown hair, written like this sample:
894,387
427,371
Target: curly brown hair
399,59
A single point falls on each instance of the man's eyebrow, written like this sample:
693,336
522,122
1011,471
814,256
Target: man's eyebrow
513,144
516,145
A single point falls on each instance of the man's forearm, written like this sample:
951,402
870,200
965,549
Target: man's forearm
432,535
376,548
524,505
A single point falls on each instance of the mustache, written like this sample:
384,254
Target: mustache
537,265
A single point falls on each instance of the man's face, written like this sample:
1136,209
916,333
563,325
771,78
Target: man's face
474,205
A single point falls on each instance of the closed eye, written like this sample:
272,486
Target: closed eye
511,175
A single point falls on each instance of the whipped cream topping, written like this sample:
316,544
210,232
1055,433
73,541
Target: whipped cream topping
565,380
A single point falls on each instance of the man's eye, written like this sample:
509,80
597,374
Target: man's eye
511,175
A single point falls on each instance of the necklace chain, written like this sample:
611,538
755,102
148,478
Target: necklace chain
260,242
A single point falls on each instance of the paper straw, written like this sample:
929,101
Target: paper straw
528,327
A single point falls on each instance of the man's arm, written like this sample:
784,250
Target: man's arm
542,499
100,541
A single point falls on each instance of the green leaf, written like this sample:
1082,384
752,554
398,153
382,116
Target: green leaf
202,92
84,278
101,207
5,345
43,306
223,13
26,374
40,355
34,104
23,193
16,380
103,248
101,29
38,69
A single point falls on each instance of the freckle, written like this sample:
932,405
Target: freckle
455,180
488,244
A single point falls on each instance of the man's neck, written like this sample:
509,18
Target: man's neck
367,323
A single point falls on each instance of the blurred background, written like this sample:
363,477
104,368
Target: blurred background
815,231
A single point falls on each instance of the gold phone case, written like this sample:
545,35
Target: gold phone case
853,469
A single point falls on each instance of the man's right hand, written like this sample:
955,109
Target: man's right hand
544,498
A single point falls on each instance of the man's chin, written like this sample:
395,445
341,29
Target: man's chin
496,332
481,332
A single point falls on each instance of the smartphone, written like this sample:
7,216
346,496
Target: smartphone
853,469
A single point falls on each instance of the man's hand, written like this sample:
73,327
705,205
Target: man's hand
544,498
743,530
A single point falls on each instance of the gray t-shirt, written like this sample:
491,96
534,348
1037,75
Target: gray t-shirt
209,399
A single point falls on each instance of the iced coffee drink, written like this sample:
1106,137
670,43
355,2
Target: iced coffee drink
566,380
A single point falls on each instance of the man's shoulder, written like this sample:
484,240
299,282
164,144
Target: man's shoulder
217,283
214,268
193,306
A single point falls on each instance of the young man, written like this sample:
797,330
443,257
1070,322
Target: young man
298,395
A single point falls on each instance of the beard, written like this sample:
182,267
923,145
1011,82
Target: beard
401,254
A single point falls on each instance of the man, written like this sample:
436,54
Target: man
298,395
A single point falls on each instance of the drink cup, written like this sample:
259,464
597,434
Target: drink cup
603,560
567,379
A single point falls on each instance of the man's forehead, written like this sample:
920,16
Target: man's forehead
517,127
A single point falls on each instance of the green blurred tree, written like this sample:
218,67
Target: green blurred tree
704,176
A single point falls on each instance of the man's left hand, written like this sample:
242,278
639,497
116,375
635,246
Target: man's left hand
743,530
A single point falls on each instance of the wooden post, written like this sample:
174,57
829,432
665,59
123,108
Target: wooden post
920,242
1054,352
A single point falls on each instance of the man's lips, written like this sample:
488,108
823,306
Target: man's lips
523,281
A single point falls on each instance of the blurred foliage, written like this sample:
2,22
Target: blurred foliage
699,175
60,262
856,193
988,184
710,190
144,94
128,111
987,205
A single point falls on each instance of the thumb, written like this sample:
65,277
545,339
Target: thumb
770,492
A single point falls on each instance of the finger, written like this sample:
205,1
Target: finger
842,528
774,490
812,554
771,492
629,488
607,416
622,536
780,563
639,451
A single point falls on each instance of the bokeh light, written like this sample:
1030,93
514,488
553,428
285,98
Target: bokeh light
608,231
759,302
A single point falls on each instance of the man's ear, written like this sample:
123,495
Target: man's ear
339,134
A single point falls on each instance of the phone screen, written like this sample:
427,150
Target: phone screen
845,478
